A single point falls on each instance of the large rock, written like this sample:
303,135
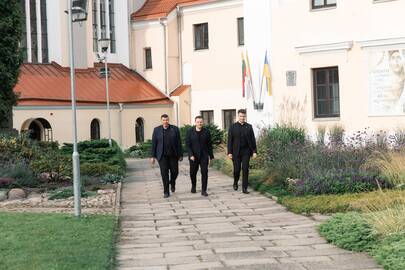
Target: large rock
3,195
16,194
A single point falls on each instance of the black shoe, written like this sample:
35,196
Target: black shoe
193,190
204,193
173,188
245,191
167,195
235,187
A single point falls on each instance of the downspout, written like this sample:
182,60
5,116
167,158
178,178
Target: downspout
177,112
180,41
163,22
121,108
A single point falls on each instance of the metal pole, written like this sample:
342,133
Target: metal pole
108,99
75,155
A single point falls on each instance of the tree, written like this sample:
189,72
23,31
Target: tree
11,24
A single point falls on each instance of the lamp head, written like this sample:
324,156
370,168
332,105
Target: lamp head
79,10
104,43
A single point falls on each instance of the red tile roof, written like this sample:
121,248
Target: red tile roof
49,84
153,9
180,90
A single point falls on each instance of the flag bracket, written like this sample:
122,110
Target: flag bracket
258,106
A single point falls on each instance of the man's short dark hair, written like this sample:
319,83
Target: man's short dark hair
243,111
164,116
198,117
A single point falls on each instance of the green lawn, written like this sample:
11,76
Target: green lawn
56,241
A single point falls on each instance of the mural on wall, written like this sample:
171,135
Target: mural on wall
387,82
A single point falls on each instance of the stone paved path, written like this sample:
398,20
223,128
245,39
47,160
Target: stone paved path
227,230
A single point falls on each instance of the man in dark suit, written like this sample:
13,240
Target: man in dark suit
199,147
167,150
241,147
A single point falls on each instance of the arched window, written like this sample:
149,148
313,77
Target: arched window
139,131
95,129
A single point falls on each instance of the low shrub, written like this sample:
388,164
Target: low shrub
52,166
111,178
390,253
140,150
20,173
67,193
100,169
386,213
97,158
350,231
391,165
335,182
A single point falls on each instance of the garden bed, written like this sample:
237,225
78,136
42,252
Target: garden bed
100,201
37,176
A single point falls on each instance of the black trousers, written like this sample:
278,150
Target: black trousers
169,165
241,161
203,164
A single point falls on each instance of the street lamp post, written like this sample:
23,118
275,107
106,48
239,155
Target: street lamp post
104,44
77,12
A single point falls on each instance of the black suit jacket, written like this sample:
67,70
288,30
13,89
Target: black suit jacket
197,149
157,142
234,136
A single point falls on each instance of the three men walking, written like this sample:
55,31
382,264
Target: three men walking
167,150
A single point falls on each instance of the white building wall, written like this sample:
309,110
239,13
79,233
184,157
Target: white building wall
214,74
300,39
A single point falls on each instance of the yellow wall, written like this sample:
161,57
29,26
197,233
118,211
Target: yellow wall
60,120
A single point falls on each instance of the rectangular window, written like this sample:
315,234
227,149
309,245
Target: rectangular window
241,33
23,44
317,4
113,44
44,33
34,32
229,117
95,37
201,36
148,58
208,117
326,92
103,21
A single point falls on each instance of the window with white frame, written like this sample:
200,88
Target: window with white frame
228,117
241,33
34,42
208,117
148,58
112,26
201,36
318,4
104,23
